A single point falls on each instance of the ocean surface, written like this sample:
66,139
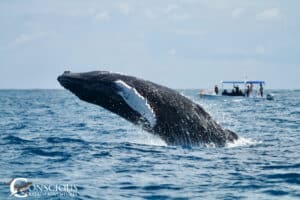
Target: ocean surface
80,151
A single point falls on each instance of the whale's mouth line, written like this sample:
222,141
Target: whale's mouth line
69,82
64,82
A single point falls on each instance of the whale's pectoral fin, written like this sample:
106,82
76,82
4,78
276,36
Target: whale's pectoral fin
136,101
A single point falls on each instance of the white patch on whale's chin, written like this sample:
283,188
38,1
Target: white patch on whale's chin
136,101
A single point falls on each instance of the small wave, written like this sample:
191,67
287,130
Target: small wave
64,140
15,140
238,100
47,153
241,142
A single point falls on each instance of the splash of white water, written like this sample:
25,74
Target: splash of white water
242,142
143,137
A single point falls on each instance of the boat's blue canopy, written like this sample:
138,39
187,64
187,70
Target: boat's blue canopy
255,82
243,82
233,82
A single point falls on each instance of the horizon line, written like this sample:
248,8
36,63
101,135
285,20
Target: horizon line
171,88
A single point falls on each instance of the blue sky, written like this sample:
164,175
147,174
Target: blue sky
181,44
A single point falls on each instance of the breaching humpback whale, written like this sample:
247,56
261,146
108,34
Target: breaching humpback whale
158,109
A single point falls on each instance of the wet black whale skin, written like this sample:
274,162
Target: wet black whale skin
179,121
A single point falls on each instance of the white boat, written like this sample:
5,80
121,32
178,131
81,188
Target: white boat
250,88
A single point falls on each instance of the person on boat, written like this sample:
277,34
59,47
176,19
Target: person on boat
248,91
261,90
251,87
241,93
237,90
216,90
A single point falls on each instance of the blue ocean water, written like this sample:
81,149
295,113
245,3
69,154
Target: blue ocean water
51,137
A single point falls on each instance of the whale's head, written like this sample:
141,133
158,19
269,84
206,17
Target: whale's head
113,92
